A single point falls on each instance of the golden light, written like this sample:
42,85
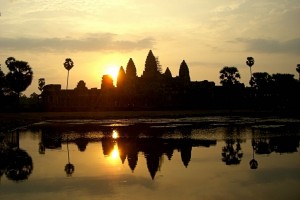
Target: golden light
115,134
113,71
115,153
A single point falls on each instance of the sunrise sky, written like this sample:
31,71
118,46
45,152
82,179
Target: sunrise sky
98,34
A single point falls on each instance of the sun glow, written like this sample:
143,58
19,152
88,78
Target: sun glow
113,71
115,134
115,153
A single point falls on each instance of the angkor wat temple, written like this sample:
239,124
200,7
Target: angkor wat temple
158,90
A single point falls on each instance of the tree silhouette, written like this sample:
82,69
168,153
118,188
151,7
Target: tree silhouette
69,167
253,163
298,70
229,76
283,81
19,76
19,166
68,64
232,154
250,63
261,80
41,84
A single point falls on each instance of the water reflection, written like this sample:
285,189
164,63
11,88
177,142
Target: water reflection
153,143
232,152
15,162
253,163
69,167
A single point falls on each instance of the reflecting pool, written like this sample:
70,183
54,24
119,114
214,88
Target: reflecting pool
186,158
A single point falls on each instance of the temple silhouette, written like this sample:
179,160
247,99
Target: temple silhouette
159,90
154,89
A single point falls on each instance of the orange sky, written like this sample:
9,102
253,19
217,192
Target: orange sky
97,34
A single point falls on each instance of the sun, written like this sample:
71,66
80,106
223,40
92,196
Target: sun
113,71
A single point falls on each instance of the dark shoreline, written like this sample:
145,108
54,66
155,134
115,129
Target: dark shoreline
11,121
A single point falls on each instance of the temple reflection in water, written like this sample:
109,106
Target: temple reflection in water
130,143
128,148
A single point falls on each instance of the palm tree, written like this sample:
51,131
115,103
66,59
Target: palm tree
68,64
41,84
69,167
229,76
298,70
250,63
253,163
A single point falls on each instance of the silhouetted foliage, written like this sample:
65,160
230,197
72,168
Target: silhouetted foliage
68,64
283,81
250,63
19,165
253,164
19,76
231,153
229,76
261,80
41,84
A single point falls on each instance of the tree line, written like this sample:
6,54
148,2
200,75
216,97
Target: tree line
263,86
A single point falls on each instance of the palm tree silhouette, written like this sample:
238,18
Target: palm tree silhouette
68,64
253,163
250,63
41,84
69,168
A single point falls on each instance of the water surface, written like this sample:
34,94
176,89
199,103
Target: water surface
186,158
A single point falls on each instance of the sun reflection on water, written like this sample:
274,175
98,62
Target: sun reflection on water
115,134
114,154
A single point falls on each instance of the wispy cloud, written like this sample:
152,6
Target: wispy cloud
92,42
271,45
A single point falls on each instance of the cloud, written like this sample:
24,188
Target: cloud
271,45
92,42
